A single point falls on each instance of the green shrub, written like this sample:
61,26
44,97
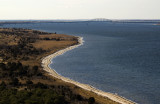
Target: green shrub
91,100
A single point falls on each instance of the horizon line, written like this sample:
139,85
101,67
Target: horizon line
82,19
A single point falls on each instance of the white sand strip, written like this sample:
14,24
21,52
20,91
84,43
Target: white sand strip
46,61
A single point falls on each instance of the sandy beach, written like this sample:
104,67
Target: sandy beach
46,61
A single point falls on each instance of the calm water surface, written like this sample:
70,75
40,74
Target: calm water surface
116,57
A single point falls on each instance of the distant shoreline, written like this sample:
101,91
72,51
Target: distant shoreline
156,21
46,61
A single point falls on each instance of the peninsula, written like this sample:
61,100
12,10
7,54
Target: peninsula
25,80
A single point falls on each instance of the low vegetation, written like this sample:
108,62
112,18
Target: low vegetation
22,80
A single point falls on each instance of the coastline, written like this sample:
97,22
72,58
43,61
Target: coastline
47,60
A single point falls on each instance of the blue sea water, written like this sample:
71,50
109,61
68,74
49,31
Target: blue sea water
122,58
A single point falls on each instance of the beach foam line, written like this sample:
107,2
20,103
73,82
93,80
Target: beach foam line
46,61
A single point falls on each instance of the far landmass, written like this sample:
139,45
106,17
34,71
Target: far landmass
22,79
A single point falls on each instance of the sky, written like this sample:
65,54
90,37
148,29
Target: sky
79,9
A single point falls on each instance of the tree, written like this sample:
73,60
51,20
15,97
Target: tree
91,100
15,82
2,85
35,69
29,82
79,97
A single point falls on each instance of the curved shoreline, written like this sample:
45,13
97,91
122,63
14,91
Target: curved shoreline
46,61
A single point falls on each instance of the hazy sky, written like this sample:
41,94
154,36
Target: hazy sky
79,9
